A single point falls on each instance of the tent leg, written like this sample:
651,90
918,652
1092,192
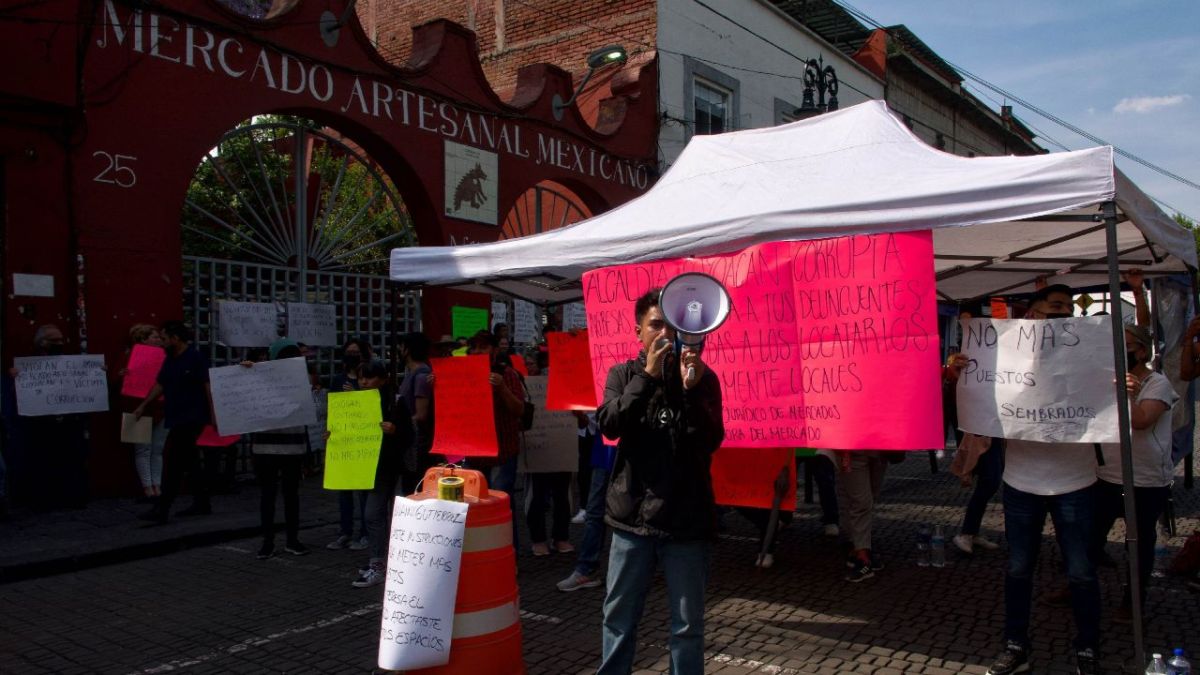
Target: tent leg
1118,336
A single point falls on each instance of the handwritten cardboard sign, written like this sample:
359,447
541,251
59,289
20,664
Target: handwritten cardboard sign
421,587
209,438
462,404
574,316
821,333
1039,380
746,476
499,312
352,451
552,444
525,322
60,385
467,321
142,371
270,395
571,386
247,324
312,324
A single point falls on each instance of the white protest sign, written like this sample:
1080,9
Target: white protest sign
424,556
574,316
316,432
1046,380
247,324
499,312
553,443
312,324
59,385
269,395
33,285
524,330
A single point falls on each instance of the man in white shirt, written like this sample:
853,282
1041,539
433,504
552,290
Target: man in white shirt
1151,398
1055,479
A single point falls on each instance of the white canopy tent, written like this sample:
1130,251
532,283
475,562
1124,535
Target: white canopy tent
854,171
999,223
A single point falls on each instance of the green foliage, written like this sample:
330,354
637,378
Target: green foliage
1191,225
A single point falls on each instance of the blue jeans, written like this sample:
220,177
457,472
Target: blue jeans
593,528
1024,517
988,474
347,512
631,564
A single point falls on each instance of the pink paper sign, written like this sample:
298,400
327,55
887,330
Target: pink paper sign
209,438
142,372
830,343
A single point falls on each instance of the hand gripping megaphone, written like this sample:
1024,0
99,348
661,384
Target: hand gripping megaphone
694,304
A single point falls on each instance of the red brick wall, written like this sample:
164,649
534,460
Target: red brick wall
514,33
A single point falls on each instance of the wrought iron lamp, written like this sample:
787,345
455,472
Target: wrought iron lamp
605,56
824,79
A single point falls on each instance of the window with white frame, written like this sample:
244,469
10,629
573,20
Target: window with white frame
711,108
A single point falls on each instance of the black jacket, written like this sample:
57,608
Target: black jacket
661,484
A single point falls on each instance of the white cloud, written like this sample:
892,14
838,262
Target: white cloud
1145,104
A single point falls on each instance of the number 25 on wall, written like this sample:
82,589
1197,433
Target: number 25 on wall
117,170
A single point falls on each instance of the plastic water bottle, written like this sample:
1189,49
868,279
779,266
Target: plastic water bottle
1179,665
937,548
924,539
1157,666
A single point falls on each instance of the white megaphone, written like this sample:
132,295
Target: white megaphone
694,304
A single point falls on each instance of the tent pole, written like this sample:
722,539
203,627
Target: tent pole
1118,336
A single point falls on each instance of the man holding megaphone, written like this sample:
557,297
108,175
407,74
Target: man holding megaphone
665,407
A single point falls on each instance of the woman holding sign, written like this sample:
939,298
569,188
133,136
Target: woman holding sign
142,363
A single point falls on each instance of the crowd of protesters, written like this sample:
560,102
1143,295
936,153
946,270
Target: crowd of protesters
658,507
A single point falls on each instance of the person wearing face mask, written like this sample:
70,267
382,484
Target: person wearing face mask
355,352
1151,398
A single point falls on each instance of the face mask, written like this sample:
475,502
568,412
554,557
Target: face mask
1132,359
54,350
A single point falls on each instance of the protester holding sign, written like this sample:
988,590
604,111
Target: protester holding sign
660,500
187,407
1151,397
416,394
508,402
1054,478
355,352
278,455
143,362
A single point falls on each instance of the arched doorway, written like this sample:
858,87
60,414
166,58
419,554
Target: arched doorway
285,210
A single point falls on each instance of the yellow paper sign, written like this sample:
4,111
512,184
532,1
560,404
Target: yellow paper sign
352,451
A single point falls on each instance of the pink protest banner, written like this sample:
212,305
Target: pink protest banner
570,386
746,477
209,438
462,404
830,343
142,372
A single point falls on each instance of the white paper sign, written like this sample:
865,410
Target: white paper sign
574,316
33,285
524,330
316,432
424,557
312,324
499,313
59,385
1039,380
247,324
270,395
553,442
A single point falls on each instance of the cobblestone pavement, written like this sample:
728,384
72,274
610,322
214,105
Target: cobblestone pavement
215,609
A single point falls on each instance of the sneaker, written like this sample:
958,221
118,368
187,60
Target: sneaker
579,518
195,510
577,581
343,541
860,572
372,577
540,549
984,543
765,561
831,530
1087,663
360,544
564,547
267,550
964,543
1015,659
296,548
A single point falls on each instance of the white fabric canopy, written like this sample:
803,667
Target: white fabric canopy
854,171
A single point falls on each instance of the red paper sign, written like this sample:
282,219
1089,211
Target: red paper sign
570,386
746,477
999,308
142,372
209,438
462,404
518,364
830,343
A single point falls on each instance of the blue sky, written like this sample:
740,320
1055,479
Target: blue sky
1127,71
